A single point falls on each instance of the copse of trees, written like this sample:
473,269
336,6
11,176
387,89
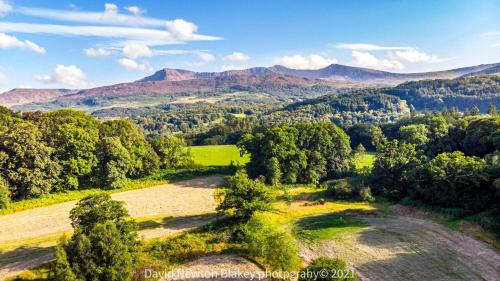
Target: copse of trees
301,153
67,149
447,160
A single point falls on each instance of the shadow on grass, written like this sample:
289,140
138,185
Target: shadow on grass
23,256
178,223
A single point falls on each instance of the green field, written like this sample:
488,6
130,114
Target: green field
364,160
217,155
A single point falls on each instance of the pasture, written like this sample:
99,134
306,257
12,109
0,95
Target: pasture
217,155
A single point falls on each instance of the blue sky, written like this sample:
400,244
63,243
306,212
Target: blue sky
77,44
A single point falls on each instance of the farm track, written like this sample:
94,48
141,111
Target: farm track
189,204
403,248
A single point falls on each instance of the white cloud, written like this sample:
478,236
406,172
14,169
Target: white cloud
132,35
8,41
237,57
135,50
5,8
135,10
67,75
366,59
414,56
181,29
177,30
110,10
495,45
130,64
313,61
206,57
96,52
369,47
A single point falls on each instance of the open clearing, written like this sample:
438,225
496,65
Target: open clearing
187,203
217,267
217,155
403,248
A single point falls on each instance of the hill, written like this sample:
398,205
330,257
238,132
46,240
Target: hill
463,93
487,71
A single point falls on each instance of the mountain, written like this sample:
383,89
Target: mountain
488,71
337,72
255,85
23,96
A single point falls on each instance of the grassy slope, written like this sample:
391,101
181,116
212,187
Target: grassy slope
217,155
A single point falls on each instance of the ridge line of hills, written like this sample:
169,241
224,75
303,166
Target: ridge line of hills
279,82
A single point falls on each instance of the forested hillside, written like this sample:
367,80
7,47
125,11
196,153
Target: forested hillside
462,93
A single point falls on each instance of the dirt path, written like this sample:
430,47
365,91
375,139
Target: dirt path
403,248
189,203
217,267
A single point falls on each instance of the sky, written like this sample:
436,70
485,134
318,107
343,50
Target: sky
82,44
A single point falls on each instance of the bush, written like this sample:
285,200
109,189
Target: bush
4,194
336,269
365,194
180,249
275,247
349,188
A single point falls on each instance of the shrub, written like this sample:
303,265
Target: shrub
341,189
180,249
365,194
336,269
275,247
4,194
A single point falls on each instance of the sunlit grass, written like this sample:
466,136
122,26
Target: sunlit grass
364,160
217,155
160,177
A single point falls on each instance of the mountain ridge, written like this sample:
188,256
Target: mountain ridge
273,80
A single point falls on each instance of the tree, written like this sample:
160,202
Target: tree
474,111
415,134
96,209
114,163
4,194
172,151
25,161
360,149
492,109
366,134
306,153
103,246
453,180
273,245
274,172
144,159
244,196
389,173
478,136
74,136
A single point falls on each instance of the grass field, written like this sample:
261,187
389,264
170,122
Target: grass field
365,160
217,155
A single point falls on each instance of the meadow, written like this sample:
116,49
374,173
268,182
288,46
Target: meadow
217,155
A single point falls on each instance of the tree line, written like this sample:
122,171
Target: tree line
67,149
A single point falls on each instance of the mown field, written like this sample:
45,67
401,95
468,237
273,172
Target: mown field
217,155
